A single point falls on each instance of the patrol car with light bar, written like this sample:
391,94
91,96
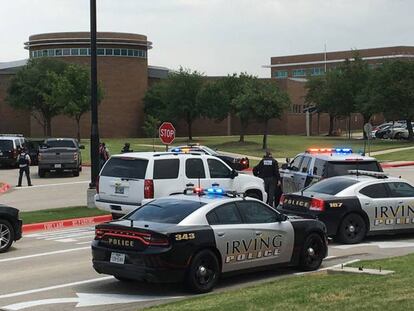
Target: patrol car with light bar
317,163
236,163
354,206
197,237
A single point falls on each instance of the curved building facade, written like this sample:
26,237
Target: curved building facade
122,72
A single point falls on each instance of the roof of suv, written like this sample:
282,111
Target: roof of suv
149,155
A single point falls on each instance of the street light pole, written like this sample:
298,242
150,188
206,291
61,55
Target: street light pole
94,100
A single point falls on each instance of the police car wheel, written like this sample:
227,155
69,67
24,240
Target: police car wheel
352,229
312,253
6,235
203,272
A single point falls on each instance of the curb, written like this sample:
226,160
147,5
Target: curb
67,223
4,188
389,165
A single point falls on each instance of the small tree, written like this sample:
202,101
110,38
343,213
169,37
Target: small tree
150,127
32,89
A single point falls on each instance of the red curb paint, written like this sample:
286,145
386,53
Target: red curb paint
59,224
389,165
4,188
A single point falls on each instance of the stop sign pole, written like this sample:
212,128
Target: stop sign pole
166,132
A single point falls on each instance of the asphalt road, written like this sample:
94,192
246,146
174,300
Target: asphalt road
52,271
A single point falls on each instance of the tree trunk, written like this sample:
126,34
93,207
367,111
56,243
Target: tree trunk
243,125
48,121
410,130
349,127
190,129
78,134
264,146
319,119
331,125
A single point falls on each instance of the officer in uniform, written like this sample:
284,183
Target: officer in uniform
126,149
24,166
268,170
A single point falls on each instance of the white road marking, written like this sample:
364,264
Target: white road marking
44,254
52,185
88,300
55,232
65,236
87,242
393,244
44,289
329,257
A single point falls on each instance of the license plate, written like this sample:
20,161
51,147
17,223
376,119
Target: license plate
58,165
119,189
118,258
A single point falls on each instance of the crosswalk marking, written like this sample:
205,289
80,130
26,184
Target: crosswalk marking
65,236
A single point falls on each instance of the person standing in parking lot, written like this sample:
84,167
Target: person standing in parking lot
268,170
103,154
24,166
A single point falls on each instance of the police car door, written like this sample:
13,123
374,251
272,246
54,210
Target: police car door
220,174
301,176
403,211
289,175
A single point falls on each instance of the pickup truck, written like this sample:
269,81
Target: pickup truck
60,155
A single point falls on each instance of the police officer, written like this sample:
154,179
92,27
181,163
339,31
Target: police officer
126,149
268,170
24,166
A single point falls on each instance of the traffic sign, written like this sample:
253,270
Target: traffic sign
167,133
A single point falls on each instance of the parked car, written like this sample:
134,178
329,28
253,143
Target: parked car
385,131
379,128
127,179
197,238
10,147
365,203
10,227
235,162
399,131
60,155
318,163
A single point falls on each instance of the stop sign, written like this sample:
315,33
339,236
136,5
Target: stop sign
167,133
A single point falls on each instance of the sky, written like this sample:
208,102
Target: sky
218,37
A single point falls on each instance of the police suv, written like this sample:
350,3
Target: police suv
128,179
197,237
317,163
354,206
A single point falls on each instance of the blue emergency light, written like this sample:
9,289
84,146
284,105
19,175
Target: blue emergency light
215,191
343,150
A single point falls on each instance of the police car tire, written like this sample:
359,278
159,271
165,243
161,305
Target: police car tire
196,280
5,225
312,253
76,172
356,234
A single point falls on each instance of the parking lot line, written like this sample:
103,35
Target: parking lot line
51,185
44,254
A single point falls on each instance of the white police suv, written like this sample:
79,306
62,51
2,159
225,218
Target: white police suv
127,179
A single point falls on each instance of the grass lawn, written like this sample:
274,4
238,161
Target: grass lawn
59,214
406,155
281,145
317,292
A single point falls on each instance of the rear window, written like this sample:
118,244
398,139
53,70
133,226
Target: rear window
125,168
332,187
61,143
342,168
6,145
166,169
167,210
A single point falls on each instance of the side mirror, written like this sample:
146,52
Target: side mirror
282,217
284,166
233,174
81,147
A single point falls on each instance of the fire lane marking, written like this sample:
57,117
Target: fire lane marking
45,254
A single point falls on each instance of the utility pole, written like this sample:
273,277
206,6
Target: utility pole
94,100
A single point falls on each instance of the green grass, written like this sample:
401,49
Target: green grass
59,214
317,292
406,155
281,145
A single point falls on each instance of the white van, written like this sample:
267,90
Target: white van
128,179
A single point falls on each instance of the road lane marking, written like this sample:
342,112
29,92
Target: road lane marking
44,254
393,244
87,242
44,289
52,185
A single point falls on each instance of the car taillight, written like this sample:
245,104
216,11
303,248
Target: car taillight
99,234
282,198
97,184
317,205
158,241
148,189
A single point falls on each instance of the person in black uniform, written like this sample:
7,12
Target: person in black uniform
268,170
126,148
24,166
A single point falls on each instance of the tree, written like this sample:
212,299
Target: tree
32,89
73,92
271,103
216,97
150,127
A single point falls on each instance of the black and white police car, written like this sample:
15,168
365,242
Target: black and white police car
10,227
196,238
353,206
318,163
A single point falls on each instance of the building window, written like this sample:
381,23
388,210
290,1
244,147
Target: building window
86,52
58,52
34,54
317,71
109,52
298,73
130,53
50,52
117,52
66,52
297,108
124,52
83,52
281,74
74,52
100,52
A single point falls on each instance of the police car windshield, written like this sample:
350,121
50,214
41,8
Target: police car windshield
6,145
167,210
342,167
332,186
60,143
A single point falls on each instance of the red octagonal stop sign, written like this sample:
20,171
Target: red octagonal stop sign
167,133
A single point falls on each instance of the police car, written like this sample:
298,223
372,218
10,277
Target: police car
10,227
354,206
317,163
196,238
236,163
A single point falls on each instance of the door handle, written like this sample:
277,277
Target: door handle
258,232
189,185
220,233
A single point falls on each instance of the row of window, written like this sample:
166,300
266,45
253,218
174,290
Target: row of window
87,52
297,73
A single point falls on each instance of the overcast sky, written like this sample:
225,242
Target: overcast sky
218,37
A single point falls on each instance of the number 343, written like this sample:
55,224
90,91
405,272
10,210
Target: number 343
185,236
